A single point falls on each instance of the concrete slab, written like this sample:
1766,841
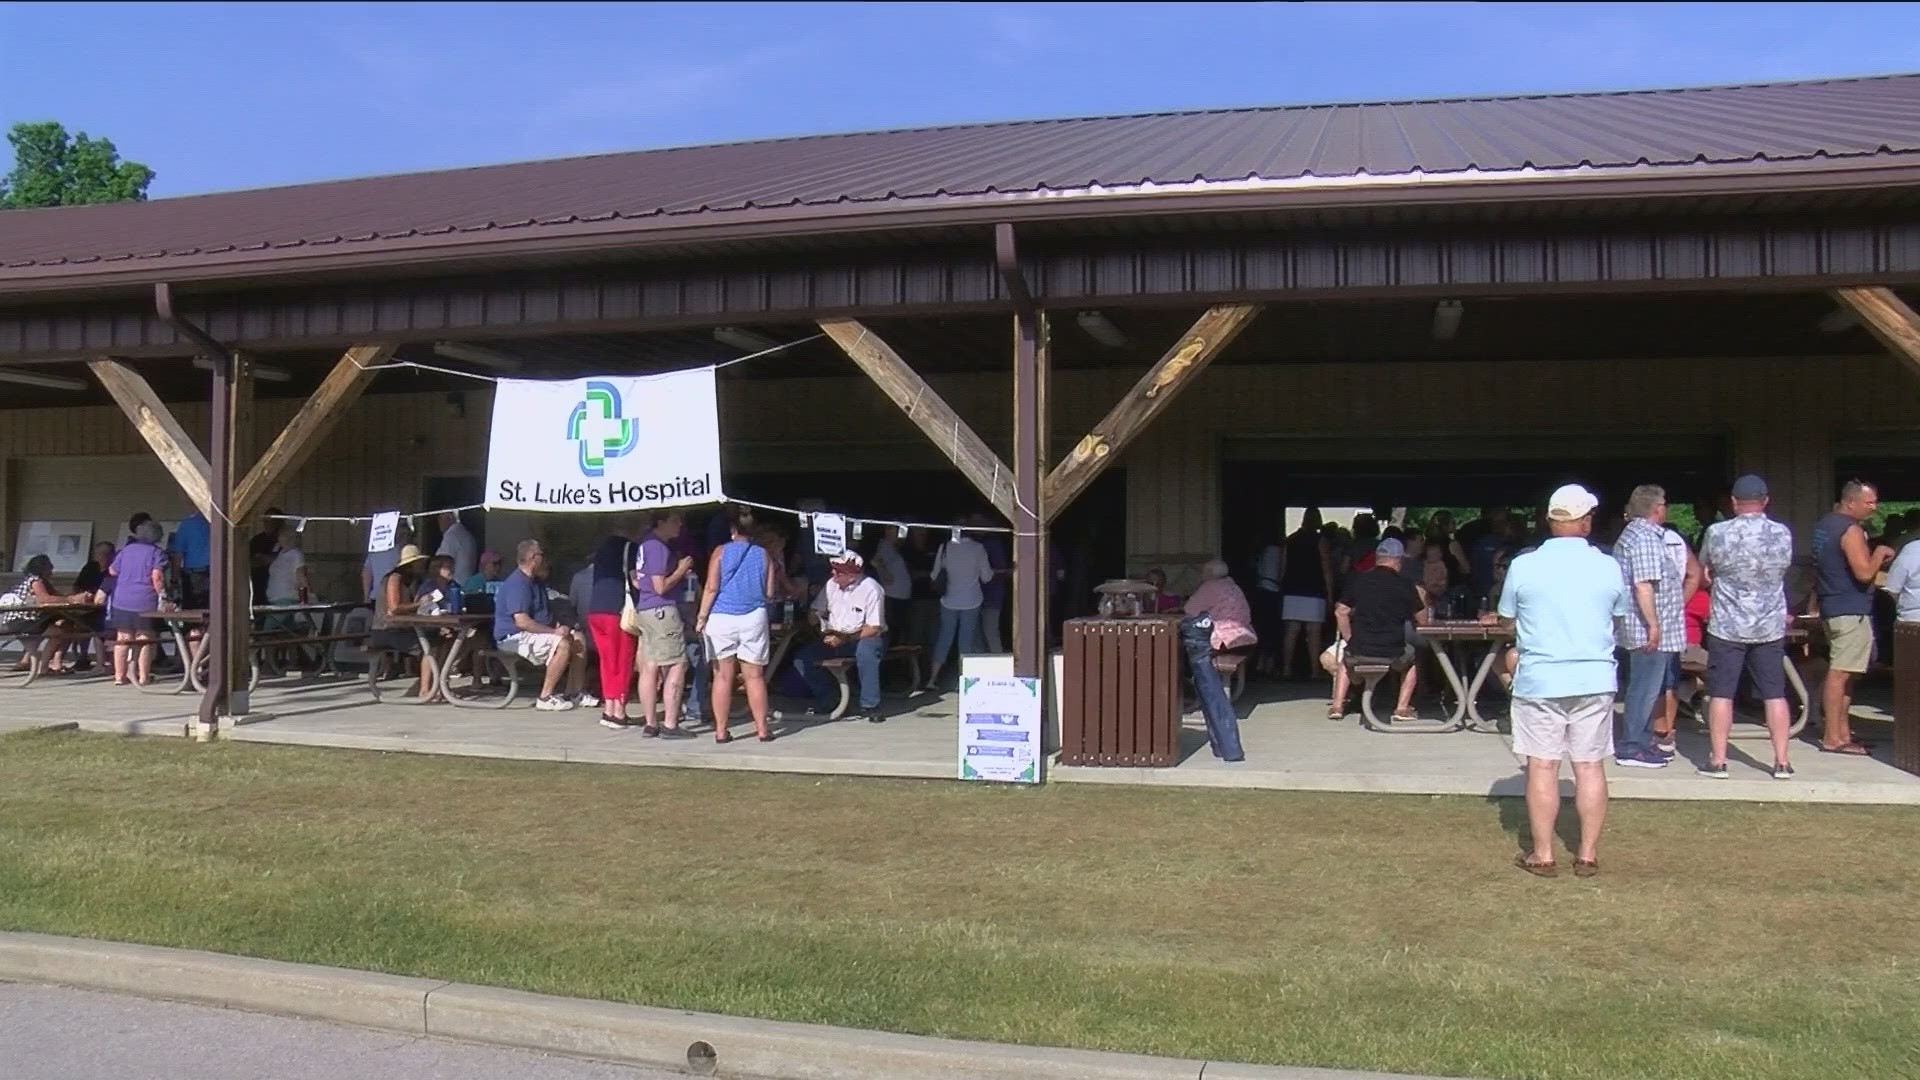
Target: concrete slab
1290,745
366,999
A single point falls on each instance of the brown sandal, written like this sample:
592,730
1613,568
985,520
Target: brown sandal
1537,869
1585,867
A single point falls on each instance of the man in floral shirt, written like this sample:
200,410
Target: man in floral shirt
1746,560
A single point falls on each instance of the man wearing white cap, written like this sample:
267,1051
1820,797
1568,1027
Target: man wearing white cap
1563,598
852,613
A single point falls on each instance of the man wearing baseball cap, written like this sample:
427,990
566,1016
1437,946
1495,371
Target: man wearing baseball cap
1746,559
852,615
1372,617
1563,598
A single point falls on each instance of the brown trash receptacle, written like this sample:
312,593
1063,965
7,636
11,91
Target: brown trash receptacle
1906,697
1121,701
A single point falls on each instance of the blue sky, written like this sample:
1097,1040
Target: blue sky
232,95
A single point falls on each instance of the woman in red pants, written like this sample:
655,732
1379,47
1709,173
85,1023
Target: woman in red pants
612,570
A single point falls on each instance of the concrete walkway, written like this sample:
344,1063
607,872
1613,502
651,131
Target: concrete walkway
1290,745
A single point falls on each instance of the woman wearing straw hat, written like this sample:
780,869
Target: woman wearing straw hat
396,597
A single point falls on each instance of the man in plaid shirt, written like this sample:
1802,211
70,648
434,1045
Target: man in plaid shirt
1654,630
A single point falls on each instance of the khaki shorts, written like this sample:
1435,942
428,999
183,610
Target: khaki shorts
1576,728
662,640
536,649
1849,642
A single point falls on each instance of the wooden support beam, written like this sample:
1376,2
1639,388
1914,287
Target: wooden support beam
1031,371
155,423
926,408
1888,316
1148,398
295,444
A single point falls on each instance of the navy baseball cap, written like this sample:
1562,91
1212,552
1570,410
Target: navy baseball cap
1750,488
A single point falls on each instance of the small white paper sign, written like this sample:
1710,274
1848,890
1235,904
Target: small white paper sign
1000,729
385,526
830,535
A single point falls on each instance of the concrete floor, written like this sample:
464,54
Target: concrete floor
1289,744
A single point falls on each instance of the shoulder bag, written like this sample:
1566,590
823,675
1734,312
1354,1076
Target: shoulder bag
629,615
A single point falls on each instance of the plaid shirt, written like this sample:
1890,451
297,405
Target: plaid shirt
1641,552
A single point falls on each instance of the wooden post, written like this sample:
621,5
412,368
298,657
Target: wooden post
295,444
1888,317
7,554
230,614
927,409
1030,577
1148,398
155,423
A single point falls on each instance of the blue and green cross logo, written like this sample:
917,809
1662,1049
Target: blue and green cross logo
599,429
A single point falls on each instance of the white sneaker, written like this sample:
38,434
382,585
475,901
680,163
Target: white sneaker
553,704
587,701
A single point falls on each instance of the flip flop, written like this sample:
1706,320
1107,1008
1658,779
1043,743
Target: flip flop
1537,869
1585,867
1850,749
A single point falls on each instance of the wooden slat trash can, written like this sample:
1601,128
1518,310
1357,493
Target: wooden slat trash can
1906,697
1121,701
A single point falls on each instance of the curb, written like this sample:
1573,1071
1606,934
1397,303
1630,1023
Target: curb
701,1044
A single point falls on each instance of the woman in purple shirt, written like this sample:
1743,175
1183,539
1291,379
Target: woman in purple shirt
137,584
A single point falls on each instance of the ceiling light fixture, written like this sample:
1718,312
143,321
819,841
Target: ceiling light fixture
262,372
1446,319
45,382
477,354
740,338
1101,329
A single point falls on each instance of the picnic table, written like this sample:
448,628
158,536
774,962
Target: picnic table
320,630
1445,636
33,643
458,631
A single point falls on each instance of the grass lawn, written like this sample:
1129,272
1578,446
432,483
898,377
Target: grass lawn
1381,932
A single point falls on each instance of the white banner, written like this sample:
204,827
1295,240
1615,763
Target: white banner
605,444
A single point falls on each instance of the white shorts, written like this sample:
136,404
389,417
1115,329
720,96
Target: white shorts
1576,728
742,636
1308,609
534,648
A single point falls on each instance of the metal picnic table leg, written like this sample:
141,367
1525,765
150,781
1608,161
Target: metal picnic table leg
429,670
1459,717
1481,723
1799,686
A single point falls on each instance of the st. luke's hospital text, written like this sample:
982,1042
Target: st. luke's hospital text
613,494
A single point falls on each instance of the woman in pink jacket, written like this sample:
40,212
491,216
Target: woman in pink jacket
1220,598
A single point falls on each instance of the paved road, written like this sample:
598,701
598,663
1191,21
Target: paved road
52,1033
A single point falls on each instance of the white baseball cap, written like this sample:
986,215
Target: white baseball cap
1570,502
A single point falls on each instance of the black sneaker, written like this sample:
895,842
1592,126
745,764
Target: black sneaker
875,717
1715,769
675,733
1782,771
615,723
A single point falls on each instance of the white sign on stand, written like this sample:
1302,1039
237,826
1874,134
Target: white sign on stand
999,726
830,535
386,526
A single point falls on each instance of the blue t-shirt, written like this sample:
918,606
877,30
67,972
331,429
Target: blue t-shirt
519,595
193,542
1565,596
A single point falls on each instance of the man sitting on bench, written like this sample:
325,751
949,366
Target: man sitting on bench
522,625
852,614
1373,616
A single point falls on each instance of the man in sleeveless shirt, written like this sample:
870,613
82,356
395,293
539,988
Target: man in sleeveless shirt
1845,569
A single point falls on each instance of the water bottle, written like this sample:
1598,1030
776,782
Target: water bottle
692,593
786,613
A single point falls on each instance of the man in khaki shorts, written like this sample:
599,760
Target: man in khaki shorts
658,581
1563,598
1845,570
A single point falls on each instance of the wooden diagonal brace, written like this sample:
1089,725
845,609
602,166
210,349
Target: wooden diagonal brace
1148,398
1888,317
297,442
927,409
155,423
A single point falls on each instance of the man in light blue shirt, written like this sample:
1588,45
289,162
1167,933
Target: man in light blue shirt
1563,598
1903,581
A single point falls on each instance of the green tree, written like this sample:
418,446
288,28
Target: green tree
52,168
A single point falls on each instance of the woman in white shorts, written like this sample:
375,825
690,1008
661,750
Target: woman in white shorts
733,618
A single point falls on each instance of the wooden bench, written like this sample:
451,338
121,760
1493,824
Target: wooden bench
838,666
1369,676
